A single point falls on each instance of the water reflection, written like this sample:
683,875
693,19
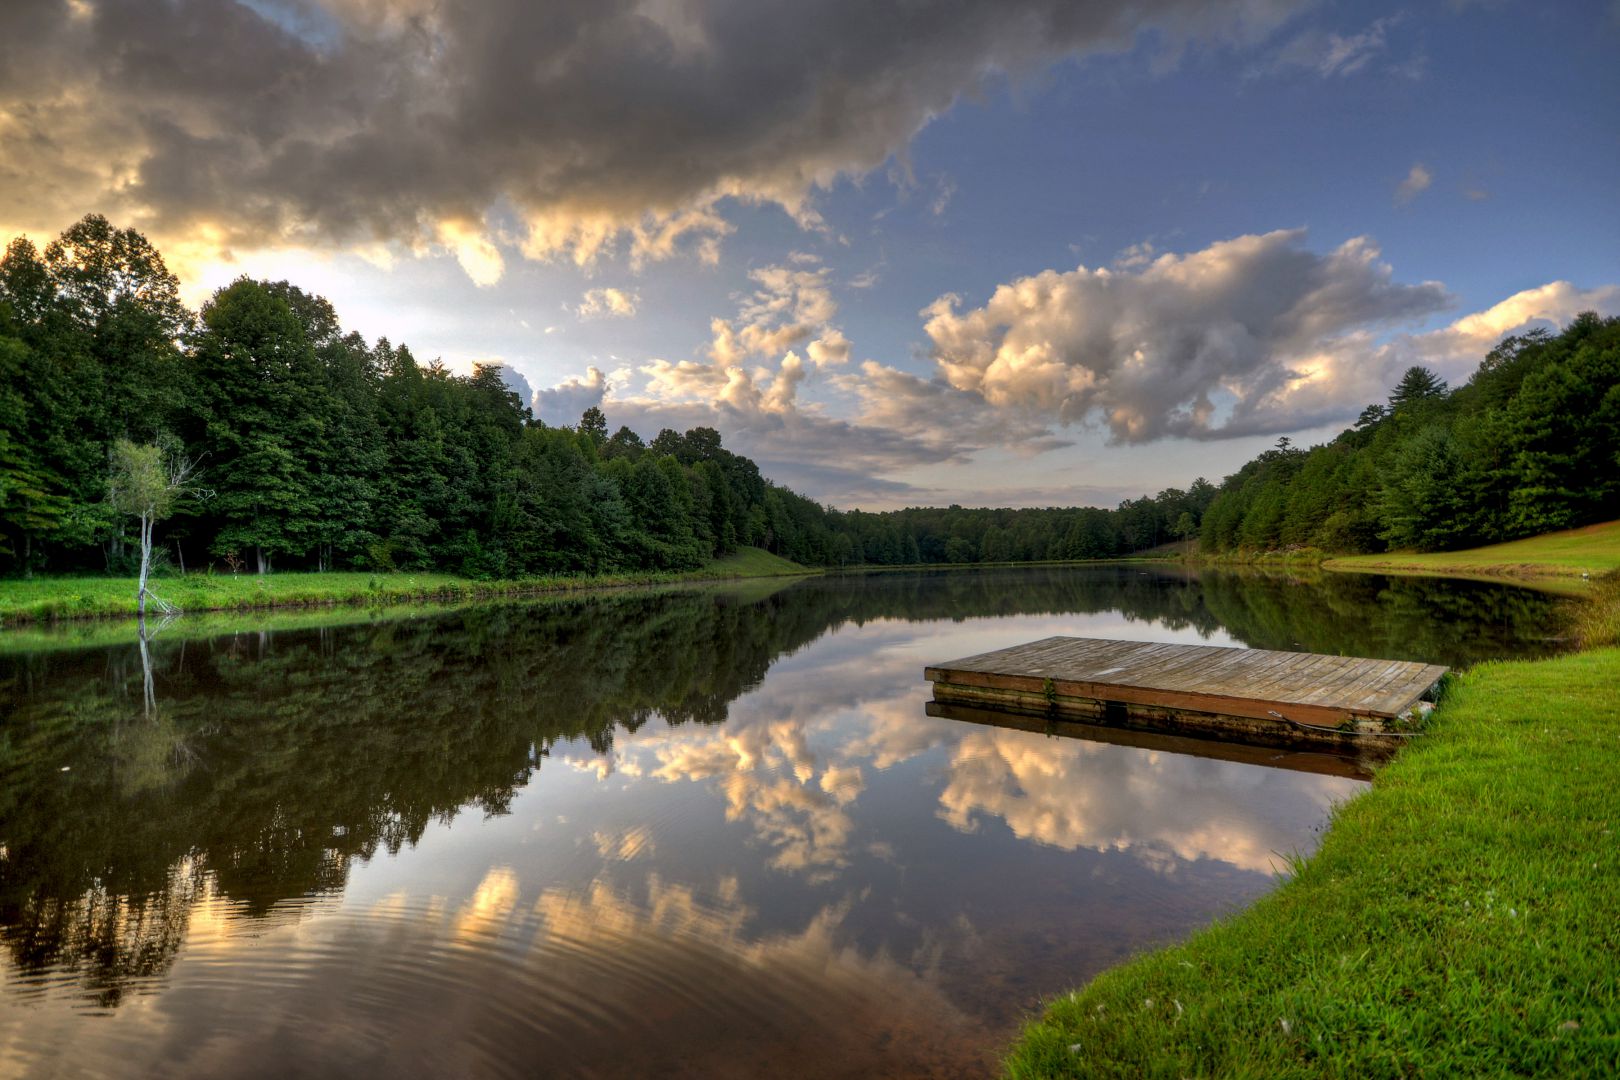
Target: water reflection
709,831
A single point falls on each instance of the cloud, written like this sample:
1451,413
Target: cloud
831,349
1163,808
1248,336
1456,350
562,404
1331,55
788,307
954,421
612,303
570,129
623,845
748,388
1253,336
1416,183
827,458
514,381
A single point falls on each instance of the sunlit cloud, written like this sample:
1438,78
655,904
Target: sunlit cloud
608,302
1246,336
623,845
1164,809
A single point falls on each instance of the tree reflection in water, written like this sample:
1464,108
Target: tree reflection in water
144,783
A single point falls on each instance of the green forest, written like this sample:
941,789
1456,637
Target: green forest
314,449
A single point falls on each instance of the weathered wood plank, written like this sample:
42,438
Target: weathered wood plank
1310,688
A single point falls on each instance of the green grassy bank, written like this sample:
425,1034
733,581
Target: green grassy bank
1462,918
51,599
1592,550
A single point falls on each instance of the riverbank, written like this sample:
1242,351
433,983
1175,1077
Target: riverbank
1567,556
1461,918
58,599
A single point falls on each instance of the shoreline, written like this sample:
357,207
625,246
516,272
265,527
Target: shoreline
58,601
1564,562
80,600
1457,919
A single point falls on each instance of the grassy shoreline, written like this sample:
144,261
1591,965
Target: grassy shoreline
1590,551
1461,918
64,599
1560,562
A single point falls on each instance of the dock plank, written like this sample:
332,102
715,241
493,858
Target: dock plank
1308,687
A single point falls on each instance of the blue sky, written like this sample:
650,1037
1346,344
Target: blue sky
990,254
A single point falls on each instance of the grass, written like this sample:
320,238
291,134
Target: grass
1462,918
102,633
52,599
753,562
1592,550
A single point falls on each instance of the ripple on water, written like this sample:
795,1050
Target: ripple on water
581,982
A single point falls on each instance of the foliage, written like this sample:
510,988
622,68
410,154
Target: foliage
1529,445
325,452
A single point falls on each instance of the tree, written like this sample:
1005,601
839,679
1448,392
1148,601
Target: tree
1419,384
624,443
1372,416
145,482
1421,504
593,425
260,386
31,503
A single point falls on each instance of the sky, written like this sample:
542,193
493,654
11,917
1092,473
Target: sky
1010,253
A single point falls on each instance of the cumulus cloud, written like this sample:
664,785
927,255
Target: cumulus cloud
1456,350
1416,183
563,403
1257,335
1247,336
748,387
1166,809
567,129
788,307
514,381
611,303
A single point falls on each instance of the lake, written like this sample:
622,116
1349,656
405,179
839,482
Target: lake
701,832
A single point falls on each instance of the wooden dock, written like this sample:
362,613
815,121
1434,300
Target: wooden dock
1286,699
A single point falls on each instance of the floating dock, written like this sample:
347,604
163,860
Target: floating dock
1307,700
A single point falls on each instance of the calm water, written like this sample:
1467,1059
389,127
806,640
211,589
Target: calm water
704,833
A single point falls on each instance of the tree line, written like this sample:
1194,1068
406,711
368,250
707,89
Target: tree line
315,449
1530,444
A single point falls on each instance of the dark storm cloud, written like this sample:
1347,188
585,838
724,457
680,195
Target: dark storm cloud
564,126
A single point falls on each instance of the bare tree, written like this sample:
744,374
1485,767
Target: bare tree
145,483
